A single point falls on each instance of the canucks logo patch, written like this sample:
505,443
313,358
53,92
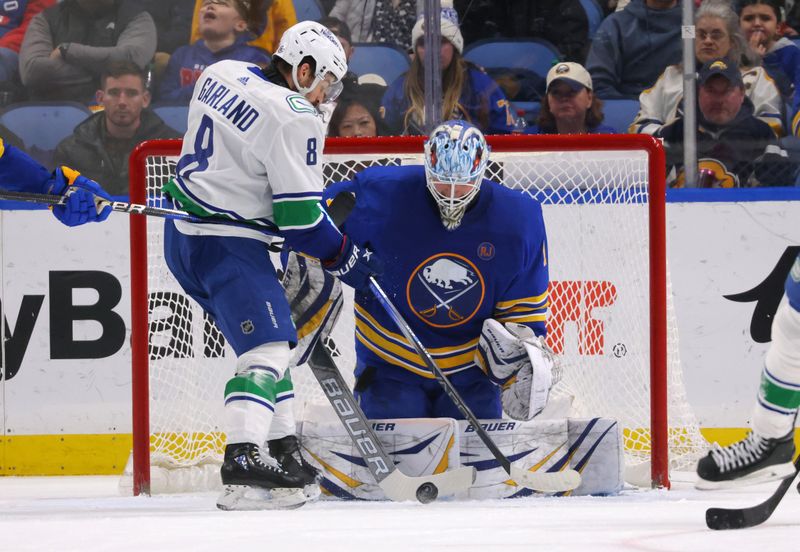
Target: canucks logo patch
445,290
300,105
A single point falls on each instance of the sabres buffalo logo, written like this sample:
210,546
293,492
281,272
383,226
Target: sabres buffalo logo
445,290
717,174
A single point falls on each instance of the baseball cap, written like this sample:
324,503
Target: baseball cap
725,67
571,73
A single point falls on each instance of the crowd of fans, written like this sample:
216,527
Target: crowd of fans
119,57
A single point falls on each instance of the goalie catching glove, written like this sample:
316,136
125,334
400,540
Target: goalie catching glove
81,198
520,362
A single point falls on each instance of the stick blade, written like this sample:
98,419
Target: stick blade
721,519
399,487
546,482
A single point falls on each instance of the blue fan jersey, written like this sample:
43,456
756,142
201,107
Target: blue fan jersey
444,283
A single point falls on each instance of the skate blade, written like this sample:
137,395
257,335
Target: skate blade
241,497
764,475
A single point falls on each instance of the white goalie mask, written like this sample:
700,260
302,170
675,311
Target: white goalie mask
456,155
309,38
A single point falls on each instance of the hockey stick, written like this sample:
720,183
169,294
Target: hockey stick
395,484
549,482
742,518
139,209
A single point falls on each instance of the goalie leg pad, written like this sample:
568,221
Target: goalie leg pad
315,299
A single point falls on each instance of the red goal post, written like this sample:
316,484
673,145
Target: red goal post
515,147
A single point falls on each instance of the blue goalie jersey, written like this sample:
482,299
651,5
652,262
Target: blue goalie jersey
444,283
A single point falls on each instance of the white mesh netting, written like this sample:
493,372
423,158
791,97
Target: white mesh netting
596,213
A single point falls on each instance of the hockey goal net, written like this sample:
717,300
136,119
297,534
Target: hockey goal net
610,317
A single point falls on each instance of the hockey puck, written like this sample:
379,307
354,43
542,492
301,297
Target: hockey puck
427,492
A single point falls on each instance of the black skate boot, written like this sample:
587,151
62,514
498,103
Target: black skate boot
253,481
286,451
752,460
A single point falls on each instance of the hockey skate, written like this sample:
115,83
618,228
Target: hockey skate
252,481
286,451
752,460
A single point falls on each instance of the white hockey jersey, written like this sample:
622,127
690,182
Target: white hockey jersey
659,105
252,151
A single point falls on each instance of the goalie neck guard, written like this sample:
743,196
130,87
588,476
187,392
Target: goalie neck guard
310,39
456,155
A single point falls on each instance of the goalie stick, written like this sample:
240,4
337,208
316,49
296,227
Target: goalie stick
139,209
742,518
548,482
395,484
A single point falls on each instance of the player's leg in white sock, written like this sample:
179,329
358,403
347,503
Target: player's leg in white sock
284,446
767,452
252,478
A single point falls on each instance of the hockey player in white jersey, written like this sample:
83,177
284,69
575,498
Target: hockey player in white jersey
767,451
253,152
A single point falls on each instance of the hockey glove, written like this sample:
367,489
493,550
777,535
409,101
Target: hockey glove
354,265
81,196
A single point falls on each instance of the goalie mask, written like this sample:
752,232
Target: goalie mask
309,38
456,155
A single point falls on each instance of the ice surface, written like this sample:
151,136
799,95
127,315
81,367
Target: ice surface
87,514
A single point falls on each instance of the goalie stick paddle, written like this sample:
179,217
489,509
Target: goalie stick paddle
139,209
548,482
742,518
395,484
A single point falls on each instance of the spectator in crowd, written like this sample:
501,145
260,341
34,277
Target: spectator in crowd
67,46
356,114
388,21
633,46
734,148
717,36
269,19
100,146
224,31
173,22
14,20
570,106
468,93
562,22
759,20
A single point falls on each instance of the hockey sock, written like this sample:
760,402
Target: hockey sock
283,423
249,406
779,394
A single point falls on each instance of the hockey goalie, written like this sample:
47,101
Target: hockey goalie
469,272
